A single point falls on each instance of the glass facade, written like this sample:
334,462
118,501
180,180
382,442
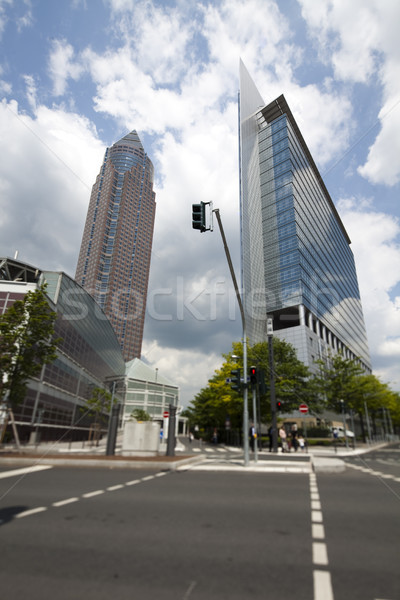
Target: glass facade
297,264
147,390
88,356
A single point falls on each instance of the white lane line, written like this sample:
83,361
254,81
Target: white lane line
161,474
318,531
316,516
64,502
322,586
322,579
24,471
32,511
320,553
93,494
71,500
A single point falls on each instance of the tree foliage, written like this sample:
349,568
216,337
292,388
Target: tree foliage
99,402
217,402
26,343
139,414
339,379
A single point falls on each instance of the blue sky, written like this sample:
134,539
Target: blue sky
77,75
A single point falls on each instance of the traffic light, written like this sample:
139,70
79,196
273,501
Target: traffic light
199,216
253,376
235,380
279,405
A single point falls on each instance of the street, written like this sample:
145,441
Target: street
98,533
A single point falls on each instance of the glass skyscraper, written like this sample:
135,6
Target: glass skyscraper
114,259
297,265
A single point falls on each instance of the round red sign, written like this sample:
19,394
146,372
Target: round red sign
303,408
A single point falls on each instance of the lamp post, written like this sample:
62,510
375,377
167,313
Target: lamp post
270,332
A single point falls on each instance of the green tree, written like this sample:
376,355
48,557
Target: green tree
26,343
140,415
337,380
98,405
344,385
217,401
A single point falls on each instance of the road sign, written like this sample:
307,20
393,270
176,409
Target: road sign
165,414
303,408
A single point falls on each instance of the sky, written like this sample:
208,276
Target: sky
78,75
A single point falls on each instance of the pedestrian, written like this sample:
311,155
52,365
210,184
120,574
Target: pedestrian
301,443
295,444
282,435
191,437
215,436
252,436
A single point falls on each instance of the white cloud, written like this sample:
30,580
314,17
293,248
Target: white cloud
360,41
190,370
49,164
376,245
62,67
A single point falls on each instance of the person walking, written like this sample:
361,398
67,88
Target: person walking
282,435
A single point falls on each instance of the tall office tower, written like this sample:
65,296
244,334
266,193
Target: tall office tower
297,265
114,259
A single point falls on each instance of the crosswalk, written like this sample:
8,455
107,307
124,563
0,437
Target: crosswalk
218,449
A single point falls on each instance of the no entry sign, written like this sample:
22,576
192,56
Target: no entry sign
303,408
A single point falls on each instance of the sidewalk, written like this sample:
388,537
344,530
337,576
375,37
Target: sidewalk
83,454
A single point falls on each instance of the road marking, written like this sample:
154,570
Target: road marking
24,471
322,586
316,516
66,501
32,511
320,553
93,494
322,579
318,531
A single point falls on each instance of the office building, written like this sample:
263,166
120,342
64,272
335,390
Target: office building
297,264
88,355
114,259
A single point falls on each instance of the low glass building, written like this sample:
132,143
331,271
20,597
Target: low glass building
148,390
297,264
88,356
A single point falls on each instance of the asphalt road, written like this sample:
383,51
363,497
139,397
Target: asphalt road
91,533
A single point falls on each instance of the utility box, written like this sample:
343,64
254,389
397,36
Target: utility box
141,438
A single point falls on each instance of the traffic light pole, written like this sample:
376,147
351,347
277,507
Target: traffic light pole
245,387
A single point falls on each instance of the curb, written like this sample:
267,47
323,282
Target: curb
172,465
327,465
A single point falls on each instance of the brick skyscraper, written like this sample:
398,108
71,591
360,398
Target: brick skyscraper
114,259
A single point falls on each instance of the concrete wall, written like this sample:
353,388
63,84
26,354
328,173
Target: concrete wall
141,438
